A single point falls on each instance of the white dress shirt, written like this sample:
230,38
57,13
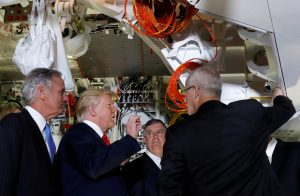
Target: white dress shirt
95,127
270,149
154,158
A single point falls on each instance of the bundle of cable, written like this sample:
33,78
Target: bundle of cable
173,92
160,19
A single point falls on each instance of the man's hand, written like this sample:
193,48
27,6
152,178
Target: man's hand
133,125
276,91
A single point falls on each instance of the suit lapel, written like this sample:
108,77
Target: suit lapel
150,165
94,134
38,139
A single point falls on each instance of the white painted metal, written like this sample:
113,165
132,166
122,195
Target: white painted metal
287,37
270,15
250,13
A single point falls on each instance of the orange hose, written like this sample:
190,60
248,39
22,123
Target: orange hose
160,19
172,90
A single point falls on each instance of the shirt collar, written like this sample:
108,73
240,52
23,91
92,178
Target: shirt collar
155,158
37,117
270,148
95,127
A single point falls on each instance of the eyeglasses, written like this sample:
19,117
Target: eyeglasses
150,133
185,90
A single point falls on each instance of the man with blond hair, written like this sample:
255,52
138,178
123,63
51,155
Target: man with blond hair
88,164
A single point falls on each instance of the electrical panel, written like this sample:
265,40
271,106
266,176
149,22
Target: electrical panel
16,13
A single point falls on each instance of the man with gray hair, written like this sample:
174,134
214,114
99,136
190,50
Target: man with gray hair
220,149
26,146
89,165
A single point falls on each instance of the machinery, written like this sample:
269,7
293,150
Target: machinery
258,47
267,56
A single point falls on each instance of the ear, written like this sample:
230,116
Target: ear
196,92
41,92
92,111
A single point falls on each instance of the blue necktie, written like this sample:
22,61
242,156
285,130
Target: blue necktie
50,141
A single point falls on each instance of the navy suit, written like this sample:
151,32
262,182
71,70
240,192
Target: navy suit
141,176
88,167
220,150
25,166
286,164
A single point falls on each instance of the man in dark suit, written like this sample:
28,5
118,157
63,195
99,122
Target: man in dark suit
220,149
88,164
285,160
26,157
141,174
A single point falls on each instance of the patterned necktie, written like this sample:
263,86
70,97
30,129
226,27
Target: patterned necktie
105,139
50,141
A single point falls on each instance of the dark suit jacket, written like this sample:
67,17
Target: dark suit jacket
286,164
25,166
88,167
220,150
141,176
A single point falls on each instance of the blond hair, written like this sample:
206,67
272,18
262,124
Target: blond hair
90,98
8,107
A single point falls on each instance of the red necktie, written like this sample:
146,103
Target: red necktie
105,139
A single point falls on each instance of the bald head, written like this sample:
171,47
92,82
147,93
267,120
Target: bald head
207,85
206,79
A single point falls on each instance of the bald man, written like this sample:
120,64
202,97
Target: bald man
220,149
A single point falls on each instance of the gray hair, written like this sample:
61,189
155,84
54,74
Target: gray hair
38,76
154,121
206,79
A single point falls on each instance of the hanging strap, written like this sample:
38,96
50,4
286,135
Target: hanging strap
37,17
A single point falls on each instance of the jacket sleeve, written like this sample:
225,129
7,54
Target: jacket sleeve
95,160
282,110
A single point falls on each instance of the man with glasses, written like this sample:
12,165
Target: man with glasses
220,149
141,174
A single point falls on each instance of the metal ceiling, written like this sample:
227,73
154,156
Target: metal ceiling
113,55
109,55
